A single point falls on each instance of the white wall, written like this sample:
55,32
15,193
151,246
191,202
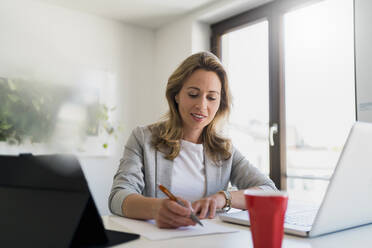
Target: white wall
172,45
191,34
55,44
51,44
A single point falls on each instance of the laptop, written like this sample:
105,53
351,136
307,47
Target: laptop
46,202
348,199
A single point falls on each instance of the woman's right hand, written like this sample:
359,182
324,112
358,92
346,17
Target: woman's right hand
170,214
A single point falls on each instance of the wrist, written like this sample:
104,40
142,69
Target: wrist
156,207
228,200
220,199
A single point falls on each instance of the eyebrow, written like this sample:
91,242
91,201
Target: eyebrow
195,88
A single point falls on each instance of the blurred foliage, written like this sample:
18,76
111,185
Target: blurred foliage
27,110
99,117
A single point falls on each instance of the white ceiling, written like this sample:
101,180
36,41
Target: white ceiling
145,13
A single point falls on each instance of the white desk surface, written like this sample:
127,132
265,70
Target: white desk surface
356,238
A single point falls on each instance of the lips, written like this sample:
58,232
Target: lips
198,117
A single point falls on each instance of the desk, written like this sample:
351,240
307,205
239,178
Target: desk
355,238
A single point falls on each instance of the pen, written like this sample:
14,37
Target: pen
173,198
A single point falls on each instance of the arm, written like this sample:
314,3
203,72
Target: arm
167,213
140,207
126,197
129,179
243,175
238,198
210,204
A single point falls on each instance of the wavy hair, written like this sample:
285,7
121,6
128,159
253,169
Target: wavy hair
166,134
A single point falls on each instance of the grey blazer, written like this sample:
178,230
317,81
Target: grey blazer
142,168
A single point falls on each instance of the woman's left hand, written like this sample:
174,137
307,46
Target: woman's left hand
206,207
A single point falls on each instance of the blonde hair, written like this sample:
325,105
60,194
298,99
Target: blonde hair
166,135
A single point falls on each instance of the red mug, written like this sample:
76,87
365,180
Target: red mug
266,213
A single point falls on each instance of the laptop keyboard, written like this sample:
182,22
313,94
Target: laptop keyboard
301,218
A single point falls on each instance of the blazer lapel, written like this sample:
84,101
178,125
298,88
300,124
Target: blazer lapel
212,176
163,174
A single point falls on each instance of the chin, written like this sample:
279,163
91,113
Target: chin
197,126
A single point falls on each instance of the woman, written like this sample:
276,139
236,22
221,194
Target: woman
185,153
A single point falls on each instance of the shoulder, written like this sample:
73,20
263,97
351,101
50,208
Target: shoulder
140,135
236,155
235,151
142,131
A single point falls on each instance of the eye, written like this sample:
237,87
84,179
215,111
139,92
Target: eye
193,95
212,98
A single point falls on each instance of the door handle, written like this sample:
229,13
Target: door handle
272,131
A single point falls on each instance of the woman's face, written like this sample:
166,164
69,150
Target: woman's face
199,100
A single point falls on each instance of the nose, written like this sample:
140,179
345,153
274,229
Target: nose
202,103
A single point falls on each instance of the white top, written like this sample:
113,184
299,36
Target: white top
188,175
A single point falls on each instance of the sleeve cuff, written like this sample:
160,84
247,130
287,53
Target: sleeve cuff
117,201
267,188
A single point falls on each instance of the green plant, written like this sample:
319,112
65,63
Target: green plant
27,110
100,117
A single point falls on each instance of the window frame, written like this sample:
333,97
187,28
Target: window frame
273,12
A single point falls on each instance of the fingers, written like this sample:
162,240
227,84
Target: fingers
176,208
204,210
186,204
162,224
173,215
175,220
206,207
212,209
196,206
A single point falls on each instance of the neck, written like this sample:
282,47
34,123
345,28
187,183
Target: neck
193,136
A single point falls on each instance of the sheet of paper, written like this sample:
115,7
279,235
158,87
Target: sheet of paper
149,229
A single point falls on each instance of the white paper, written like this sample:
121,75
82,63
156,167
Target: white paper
149,229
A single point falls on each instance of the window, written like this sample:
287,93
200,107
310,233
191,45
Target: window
319,90
302,98
245,55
